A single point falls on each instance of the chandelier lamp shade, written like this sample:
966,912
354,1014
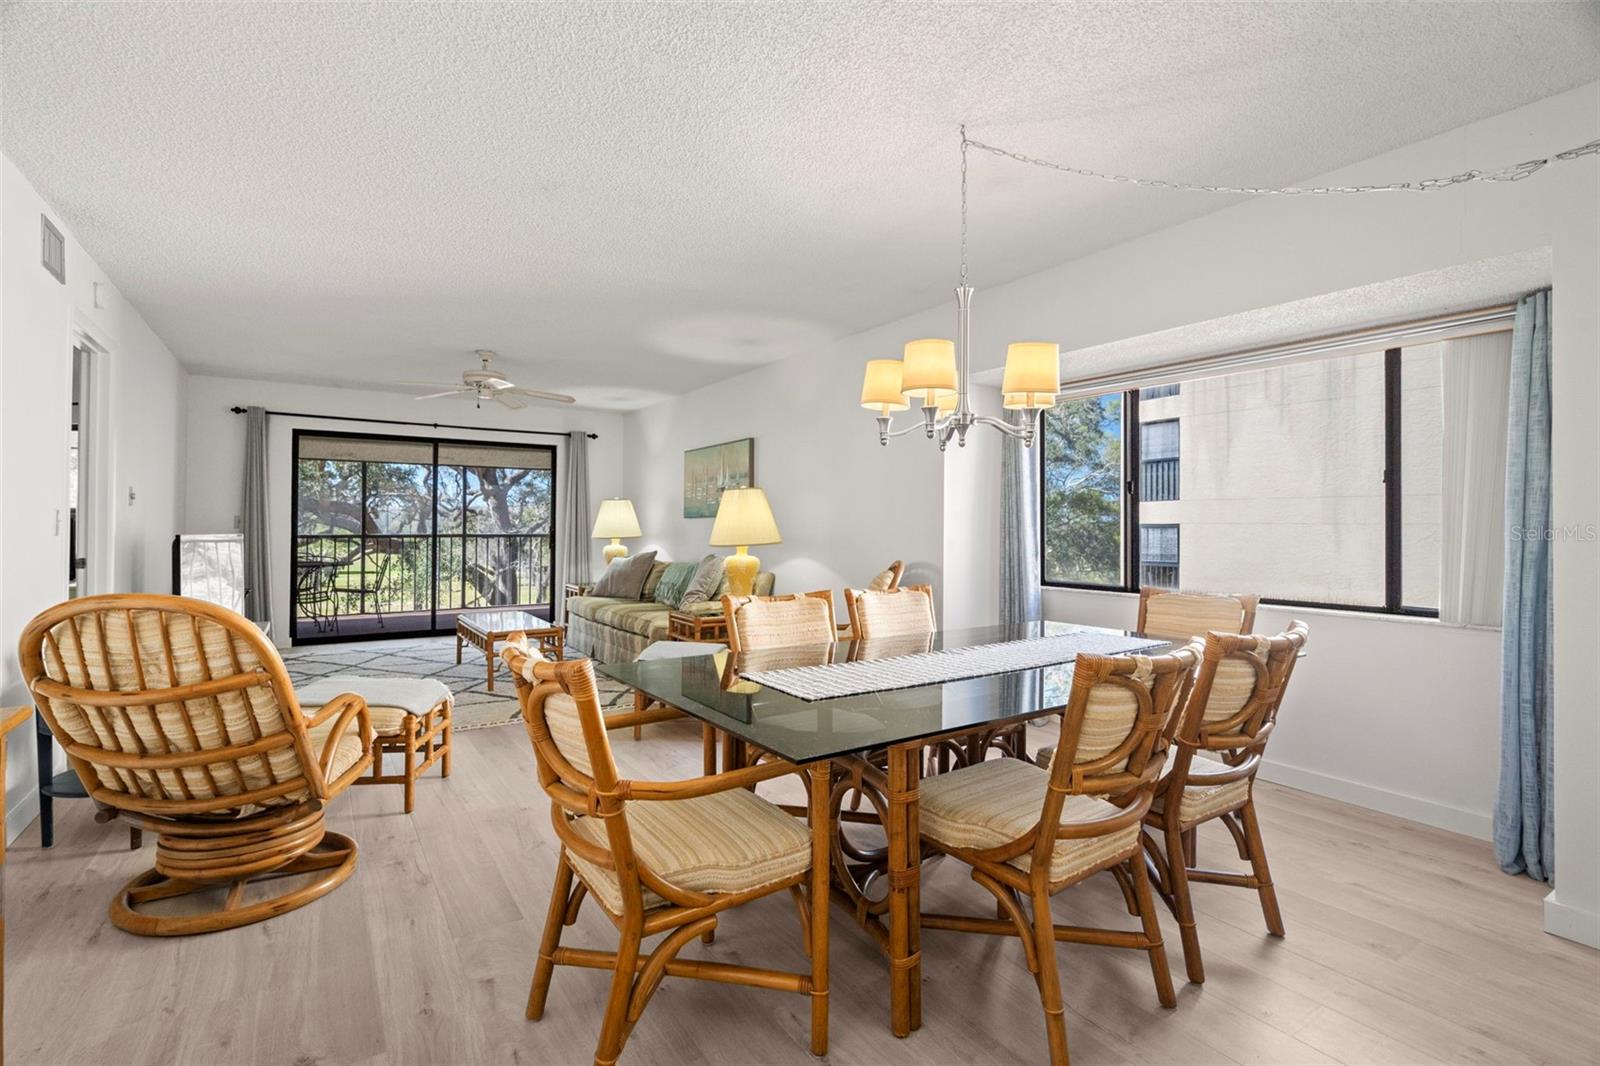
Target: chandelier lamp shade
744,517
937,373
615,520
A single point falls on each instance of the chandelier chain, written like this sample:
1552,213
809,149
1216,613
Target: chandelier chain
1515,172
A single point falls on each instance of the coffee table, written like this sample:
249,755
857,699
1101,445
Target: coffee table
482,628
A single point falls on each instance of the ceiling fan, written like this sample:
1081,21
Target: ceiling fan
485,384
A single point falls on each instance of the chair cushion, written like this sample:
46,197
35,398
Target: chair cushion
389,699
730,841
881,581
345,755
995,802
1201,801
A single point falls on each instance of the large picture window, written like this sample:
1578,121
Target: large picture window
1313,483
395,536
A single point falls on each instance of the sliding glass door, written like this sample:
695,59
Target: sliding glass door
395,536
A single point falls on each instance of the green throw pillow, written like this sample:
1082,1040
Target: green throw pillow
670,589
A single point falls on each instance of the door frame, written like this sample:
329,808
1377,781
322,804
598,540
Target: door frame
99,416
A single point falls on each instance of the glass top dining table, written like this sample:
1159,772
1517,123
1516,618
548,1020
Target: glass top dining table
713,688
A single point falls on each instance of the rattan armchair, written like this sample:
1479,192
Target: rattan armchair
663,857
1026,831
1218,741
902,611
179,715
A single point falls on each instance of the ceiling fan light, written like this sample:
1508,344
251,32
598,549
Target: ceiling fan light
930,368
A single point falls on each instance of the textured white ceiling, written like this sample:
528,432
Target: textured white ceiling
630,200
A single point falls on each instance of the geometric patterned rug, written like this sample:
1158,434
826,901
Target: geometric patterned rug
475,706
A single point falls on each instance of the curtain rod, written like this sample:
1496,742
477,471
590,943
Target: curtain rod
1443,327
426,425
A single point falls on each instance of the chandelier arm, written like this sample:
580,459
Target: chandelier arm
1010,429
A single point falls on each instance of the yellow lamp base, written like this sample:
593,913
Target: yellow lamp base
615,550
741,568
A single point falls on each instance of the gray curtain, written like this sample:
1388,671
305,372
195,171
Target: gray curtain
1524,830
257,534
1019,526
572,538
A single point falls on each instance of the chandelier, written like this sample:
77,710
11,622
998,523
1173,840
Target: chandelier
937,373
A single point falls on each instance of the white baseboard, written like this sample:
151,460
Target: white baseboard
1571,923
21,815
1415,808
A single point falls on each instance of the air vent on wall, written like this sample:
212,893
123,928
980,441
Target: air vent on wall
54,255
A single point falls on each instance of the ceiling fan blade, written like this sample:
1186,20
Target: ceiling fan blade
536,394
496,383
503,398
440,395
431,384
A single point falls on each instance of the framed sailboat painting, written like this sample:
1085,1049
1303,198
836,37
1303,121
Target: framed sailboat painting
709,470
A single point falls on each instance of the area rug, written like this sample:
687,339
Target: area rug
475,706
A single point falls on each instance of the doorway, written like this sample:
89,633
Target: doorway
80,509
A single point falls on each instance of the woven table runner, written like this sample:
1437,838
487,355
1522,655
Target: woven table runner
938,667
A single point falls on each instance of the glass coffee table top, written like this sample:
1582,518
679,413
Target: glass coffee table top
501,623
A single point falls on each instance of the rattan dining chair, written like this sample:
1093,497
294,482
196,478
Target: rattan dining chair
1164,613
1187,615
179,715
1033,832
662,857
756,622
1216,749
899,612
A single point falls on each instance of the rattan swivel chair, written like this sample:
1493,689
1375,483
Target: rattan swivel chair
179,715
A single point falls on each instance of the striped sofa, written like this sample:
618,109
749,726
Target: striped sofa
617,630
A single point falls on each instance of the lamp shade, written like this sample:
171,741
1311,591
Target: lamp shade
930,369
947,404
616,519
881,389
1032,367
1028,401
744,517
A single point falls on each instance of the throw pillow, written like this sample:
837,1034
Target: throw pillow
624,578
882,581
707,578
653,580
670,589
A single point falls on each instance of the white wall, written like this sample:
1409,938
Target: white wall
216,453
39,324
844,503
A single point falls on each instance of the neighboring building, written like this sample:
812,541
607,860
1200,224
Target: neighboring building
1273,481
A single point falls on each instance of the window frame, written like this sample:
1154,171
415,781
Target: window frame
1394,603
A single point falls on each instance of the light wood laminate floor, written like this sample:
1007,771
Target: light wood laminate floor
1405,945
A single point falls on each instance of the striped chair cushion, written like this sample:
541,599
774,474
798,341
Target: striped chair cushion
994,802
345,755
147,649
1201,801
1182,615
730,841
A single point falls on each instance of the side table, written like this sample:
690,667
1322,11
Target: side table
706,628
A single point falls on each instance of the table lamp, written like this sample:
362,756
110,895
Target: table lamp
615,520
743,518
